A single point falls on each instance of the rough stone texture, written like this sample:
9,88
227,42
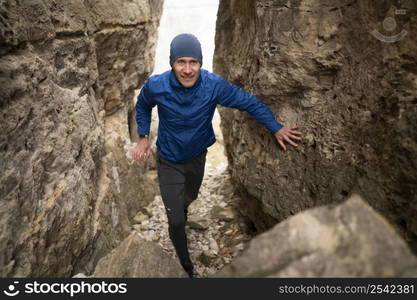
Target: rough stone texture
318,65
136,257
68,188
349,240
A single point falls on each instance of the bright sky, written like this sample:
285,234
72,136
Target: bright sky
186,16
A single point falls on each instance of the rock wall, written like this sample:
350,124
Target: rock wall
68,187
348,240
345,71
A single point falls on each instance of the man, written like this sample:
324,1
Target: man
186,97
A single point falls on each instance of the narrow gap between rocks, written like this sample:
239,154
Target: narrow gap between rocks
216,231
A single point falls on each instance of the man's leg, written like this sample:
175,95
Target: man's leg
172,185
194,173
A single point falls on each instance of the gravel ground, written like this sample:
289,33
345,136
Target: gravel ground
216,231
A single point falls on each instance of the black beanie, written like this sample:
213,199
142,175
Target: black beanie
185,45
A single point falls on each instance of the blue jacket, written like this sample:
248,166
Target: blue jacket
185,114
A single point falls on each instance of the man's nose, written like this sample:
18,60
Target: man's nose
187,68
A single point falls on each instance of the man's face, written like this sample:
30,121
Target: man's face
187,70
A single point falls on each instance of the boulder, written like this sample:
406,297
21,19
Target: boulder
135,257
347,240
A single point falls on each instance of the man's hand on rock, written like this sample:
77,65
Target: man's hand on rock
142,150
287,134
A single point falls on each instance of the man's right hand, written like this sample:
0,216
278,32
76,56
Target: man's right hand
142,150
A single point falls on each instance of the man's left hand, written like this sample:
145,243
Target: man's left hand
287,134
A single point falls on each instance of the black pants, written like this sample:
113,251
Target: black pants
179,184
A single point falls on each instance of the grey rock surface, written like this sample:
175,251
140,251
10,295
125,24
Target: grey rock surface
318,64
197,222
224,214
136,257
348,240
68,187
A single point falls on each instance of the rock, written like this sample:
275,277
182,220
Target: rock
226,227
140,217
194,205
144,226
213,245
230,241
349,240
197,222
135,257
136,227
147,211
311,64
206,257
239,247
227,260
80,275
223,213
68,74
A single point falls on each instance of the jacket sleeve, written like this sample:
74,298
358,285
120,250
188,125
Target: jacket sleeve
231,95
144,105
